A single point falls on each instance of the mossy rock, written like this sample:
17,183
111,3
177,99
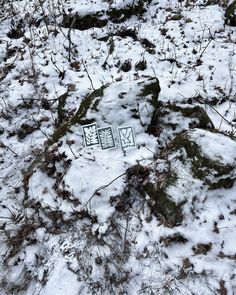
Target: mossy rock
95,102
174,119
230,14
213,172
152,88
162,205
188,159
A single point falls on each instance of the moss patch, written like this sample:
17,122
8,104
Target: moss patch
60,109
163,207
79,116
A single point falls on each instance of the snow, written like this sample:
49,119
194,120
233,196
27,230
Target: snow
71,220
61,280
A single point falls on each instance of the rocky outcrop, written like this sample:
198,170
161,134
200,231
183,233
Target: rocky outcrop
203,166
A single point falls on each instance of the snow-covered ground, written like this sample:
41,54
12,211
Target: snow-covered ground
155,219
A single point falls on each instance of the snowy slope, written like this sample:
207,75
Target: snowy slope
155,219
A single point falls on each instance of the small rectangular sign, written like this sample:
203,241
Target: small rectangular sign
106,138
91,134
126,136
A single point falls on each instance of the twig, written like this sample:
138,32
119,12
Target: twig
125,234
72,152
205,48
86,70
2,145
69,37
104,186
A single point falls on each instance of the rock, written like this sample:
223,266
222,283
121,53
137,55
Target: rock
101,18
83,22
138,179
122,97
188,161
213,165
230,14
175,118
163,206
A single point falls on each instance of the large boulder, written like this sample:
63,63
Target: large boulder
193,164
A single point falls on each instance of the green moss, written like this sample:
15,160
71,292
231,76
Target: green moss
159,121
79,116
195,112
160,202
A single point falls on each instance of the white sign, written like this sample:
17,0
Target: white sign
106,138
126,135
91,134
